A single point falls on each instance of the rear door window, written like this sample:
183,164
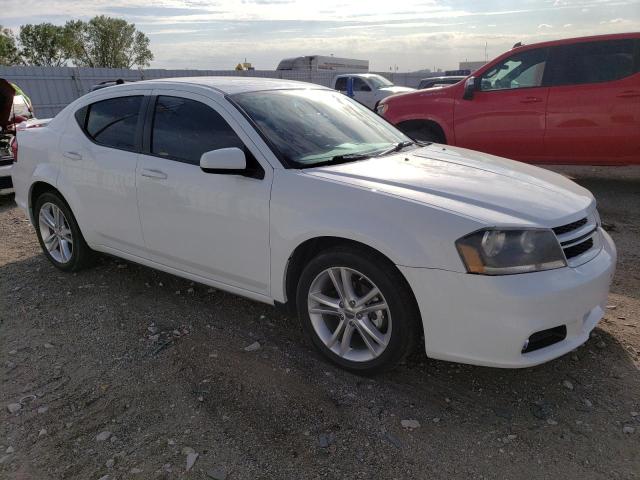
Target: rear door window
113,122
595,62
341,84
184,129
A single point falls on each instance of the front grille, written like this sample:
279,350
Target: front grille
577,238
545,338
570,227
578,249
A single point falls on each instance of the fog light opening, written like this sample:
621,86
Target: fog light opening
544,339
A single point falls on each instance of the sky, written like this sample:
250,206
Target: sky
405,34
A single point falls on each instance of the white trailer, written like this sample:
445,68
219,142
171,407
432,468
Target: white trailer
319,63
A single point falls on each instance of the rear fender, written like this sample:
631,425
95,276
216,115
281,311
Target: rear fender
45,173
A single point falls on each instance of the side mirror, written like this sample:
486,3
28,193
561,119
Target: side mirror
469,88
230,161
224,160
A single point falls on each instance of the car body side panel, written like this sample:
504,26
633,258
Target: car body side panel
595,123
508,123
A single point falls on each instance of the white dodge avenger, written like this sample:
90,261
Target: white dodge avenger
290,193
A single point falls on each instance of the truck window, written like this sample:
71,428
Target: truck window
359,85
341,84
522,70
595,62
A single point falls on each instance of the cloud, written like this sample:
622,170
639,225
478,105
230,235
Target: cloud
410,33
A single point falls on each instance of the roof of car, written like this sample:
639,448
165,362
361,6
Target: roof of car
444,77
365,75
231,85
566,41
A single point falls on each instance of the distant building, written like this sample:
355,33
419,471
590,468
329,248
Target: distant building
472,66
319,63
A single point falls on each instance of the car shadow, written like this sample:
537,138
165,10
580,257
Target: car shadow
7,201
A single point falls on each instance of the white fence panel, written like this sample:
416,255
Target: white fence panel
53,88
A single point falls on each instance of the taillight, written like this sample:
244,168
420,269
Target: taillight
14,148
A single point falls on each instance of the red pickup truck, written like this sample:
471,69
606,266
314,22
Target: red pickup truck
571,101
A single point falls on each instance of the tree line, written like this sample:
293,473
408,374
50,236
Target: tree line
100,42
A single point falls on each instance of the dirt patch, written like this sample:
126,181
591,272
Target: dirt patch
160,363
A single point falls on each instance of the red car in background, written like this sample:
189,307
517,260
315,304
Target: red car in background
571,101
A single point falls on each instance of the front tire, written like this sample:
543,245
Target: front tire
59,234
422,133
357,310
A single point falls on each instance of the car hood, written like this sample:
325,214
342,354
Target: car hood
396,89
490,189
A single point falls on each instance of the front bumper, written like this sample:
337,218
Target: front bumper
485,320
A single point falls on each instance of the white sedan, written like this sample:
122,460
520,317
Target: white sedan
291,193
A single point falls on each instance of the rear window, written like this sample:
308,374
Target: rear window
112,122
596,62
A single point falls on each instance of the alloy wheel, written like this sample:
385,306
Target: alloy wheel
55,232
349,314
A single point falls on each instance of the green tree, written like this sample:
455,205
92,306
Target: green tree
106,42
8,50
43,45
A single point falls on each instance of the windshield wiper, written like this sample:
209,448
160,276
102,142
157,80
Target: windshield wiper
338,159
396,148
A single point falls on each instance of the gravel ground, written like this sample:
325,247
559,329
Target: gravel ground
122,372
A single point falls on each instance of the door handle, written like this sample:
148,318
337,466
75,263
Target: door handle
629,94
531,100
152,173
72,155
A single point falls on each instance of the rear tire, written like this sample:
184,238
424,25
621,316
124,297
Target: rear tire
59,234
380,332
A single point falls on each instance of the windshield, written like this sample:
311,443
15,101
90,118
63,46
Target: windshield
313,127
378,81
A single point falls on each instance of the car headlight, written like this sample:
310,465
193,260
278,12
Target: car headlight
382,108
506,252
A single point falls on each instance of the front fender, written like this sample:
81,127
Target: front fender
424,105
409,233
